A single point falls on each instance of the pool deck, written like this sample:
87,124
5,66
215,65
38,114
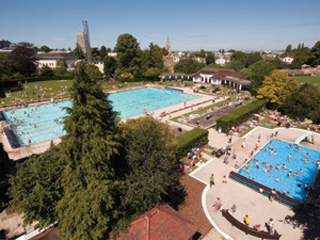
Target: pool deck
248,201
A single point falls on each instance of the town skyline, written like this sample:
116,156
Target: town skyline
191,26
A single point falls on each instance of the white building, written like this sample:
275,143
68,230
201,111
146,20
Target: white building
221,61
50,59
112,54
288,60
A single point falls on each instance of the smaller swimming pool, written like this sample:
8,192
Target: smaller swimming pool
289,160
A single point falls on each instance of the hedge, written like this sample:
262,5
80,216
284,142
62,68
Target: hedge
195,138
238,115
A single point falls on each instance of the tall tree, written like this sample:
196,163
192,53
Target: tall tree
36,188
23,55
314,59
288,49
110,66
210,58
103,52
128,51
78,51
89,151
150,151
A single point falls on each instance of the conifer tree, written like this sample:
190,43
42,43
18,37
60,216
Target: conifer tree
88,151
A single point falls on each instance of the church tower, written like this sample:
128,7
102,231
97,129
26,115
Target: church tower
168,61
168,45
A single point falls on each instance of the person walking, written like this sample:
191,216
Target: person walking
217,204
212,180
234,208
243,145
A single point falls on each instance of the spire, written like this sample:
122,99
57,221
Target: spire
168,45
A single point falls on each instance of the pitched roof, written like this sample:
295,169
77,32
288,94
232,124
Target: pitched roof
163,223
53,56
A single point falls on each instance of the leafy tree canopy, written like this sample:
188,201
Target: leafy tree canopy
46,71
188,66
23,55
210,58
260,70
127,48
303,103
45,48
315,54
150,150
36,188
103,52
275,89
110,66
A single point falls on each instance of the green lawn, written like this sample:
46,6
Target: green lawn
29,91
55,89
310,79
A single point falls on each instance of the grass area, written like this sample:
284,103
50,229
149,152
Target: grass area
309,79
31,91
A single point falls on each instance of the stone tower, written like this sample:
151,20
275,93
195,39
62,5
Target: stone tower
168,60
168,45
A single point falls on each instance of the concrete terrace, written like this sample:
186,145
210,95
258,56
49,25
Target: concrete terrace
248,201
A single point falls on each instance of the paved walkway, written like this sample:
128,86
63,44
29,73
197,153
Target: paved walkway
256,205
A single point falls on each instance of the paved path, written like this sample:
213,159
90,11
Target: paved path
256,205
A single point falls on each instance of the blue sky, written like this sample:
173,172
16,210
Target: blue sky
190,24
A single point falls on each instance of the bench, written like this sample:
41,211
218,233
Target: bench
248,230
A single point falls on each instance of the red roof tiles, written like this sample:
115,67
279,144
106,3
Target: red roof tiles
163,223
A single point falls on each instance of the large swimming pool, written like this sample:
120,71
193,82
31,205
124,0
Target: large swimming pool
44,122
293,161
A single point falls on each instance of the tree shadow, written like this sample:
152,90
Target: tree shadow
175,197
307,217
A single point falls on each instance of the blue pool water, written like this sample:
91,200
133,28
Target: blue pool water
45,121
288,185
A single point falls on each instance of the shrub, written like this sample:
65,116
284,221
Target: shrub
235,117
195,138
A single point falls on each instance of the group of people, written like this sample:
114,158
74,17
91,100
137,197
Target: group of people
194,156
